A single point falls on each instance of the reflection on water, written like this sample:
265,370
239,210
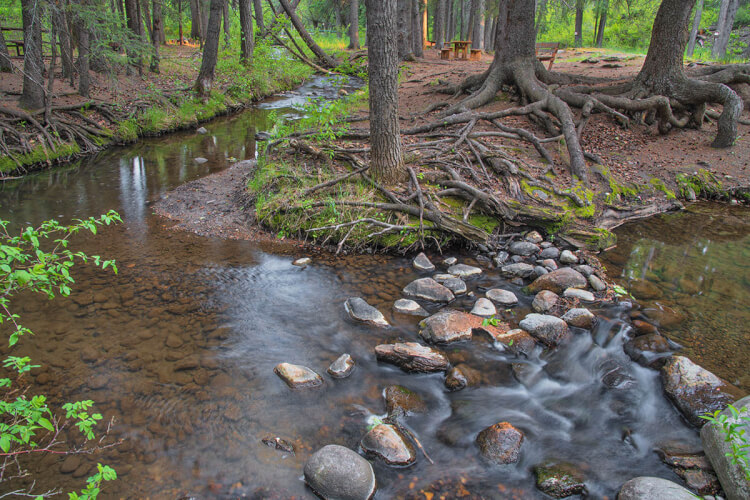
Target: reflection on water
691,271
180,347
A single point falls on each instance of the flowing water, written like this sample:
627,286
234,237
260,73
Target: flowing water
179,350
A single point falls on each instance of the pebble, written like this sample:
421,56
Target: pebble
450,261
342,367
407,306
596,283
464,271
500,258
302,262
297,376
575,293
200,160
502,297
568,257
336,472
550,253
422,263
362,311
484,308
428,289
455,285
545,301
202,130
534,237
524,248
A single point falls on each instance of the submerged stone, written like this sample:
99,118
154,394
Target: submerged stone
338,473
401,402
560,480
500,443
462,376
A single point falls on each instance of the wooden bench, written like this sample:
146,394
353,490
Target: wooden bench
445,53
476,55
547,52
17,44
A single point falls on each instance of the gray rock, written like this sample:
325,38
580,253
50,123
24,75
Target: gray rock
448,326
694,390
296,376
544,301
568,257
464,271
576,293
428,289
517,258
502,297
401,402
342,367
200,160
534,237
450,261
201,130
558,281
547,329
579,317
540,271
596,283
362,311
484,308
653,488
406,306
455,285
500,443
731,477
550,264
413,357
519,269
560,480
500,258
546,244
338,473
524,248
516,341
302,262
550,253
442,277
584,269
422,263
387,443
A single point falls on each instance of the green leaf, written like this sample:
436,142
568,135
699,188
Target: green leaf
46,424
5,442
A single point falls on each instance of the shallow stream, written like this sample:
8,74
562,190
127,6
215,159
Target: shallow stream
179,347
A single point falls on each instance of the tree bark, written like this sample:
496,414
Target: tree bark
134,24
726,21
156,29
326,60
32,95
385,138
695,28
450,22
258,8
602,23
84,77
416,28
247,40
579,24
438,29
195,19
354,24
405,45
226,22
205,80
478,37
466,20
6,65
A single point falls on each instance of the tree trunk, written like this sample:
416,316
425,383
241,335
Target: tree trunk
134,24
478,37
226,23
579,24
662,72
195,19
155,34
5,63
450,22
416,28
405,45
541,16
695,28
726,22
84,78
386,161
32,96
466,20
489,31
325,59
258,8
247,41
210,50
354,24
438,27
205,13
602,23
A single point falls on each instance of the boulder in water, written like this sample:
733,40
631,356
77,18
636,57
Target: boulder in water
694,390
580,318
519,269
548,329
484,308
401,402
568,257
455,285
428,289
501,443
413,357
582,295
362,311
464,271
650,350
389,444
558,281
524,248
461,376
338,473
422,263
406,306
560,480
502,297
653,488
297,377
302,262
448,326
545,301
342,367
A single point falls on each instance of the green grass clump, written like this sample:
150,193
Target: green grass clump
38,155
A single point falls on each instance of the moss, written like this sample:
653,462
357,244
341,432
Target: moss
39,155
601,240
702,184
658,185
484,222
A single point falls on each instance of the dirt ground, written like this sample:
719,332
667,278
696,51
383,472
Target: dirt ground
635,155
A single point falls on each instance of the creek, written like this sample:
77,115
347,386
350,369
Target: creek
179,347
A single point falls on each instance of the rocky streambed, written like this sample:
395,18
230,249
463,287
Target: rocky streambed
565,286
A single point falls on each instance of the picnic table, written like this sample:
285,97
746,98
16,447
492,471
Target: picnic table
462,47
